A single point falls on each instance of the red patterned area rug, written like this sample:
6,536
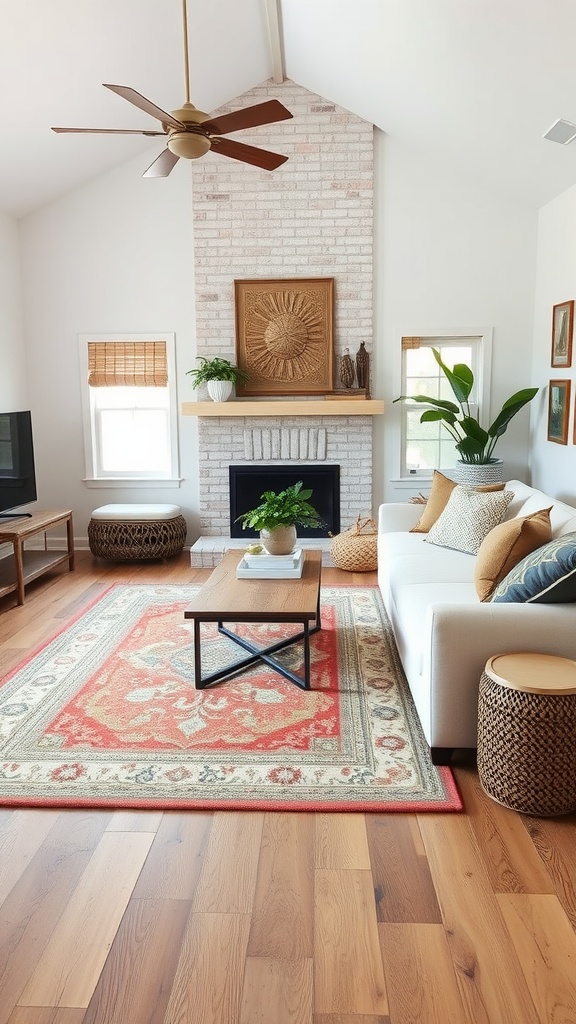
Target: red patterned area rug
106,714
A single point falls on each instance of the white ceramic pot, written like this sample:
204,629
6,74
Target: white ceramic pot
279,541
476,476
220,390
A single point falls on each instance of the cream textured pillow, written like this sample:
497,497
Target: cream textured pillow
505,546
468,518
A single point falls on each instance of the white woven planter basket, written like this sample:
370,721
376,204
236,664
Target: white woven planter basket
475,476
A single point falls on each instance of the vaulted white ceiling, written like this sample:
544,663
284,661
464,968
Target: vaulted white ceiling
474,83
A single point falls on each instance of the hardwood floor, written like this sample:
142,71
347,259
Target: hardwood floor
133,917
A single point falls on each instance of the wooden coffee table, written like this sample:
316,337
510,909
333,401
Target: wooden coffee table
223,598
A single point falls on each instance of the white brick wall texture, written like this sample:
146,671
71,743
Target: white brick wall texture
312,217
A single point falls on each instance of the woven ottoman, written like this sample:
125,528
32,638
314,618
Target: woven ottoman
527,733
125,533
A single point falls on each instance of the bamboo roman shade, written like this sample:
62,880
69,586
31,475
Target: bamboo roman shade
410,342
140,364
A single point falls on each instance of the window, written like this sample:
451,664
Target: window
429,446
129,405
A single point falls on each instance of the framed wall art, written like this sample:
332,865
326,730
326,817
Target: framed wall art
284,335
558,411
562,329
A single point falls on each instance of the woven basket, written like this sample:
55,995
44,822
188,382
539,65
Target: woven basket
356,549
126,540
526,744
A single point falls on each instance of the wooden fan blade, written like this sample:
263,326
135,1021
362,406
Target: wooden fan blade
142,103
107,131
162,165
248,154
249,117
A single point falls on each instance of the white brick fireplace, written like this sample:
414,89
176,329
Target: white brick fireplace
312,217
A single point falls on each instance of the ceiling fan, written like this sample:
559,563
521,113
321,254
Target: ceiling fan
191,132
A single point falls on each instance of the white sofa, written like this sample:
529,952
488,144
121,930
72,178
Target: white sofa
444,633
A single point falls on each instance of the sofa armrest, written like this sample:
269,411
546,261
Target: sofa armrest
459,639
396,517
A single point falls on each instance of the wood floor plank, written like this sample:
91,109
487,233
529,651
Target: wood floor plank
173,865
546,948
207,987
282,915
510,857
348,972
35,904
221,890
21,837
491,983
68,970
554,841
135,821
277,990
46,1015
149,941
403,886
420,978
350,1018
341,841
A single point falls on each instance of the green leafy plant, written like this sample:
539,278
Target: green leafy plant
475,445
215,369
286,508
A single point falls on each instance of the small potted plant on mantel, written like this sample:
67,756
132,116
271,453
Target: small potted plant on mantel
475,445
277,516
219,376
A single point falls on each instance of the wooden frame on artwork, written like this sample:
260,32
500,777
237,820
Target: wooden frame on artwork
558,410
284,335
562,330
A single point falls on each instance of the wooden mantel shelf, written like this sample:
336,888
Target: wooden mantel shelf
287,407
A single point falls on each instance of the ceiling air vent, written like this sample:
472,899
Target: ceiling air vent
561,131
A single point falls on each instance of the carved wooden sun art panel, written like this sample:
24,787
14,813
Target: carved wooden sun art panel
284,335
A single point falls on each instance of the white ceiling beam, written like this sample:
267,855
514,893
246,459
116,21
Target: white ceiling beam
275,39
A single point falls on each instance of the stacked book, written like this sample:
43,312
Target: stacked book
272,567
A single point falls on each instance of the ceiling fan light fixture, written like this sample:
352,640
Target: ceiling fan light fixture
188,145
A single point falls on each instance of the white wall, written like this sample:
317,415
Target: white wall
13,383
554,465
114,255
449,254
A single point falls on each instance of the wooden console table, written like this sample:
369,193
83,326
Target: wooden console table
25,565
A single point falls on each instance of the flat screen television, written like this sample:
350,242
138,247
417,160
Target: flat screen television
17,471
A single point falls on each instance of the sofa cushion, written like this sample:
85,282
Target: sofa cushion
468,518
440,492
547,576
505,546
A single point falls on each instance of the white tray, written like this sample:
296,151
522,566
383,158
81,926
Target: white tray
286,572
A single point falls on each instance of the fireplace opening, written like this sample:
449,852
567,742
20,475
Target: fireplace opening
248,483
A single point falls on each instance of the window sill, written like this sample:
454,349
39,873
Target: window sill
137,482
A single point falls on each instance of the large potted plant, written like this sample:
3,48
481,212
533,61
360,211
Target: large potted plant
474,443
278,515
219,375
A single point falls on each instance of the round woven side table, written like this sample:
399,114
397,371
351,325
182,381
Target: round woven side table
527,732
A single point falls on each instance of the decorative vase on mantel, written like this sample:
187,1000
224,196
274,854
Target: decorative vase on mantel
281,540
220,390
475,475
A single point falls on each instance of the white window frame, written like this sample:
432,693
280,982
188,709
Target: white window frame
450,337
140,480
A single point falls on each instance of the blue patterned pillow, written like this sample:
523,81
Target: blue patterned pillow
547,576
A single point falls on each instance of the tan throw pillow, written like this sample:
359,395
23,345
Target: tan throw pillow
442,488
505,546
468,518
